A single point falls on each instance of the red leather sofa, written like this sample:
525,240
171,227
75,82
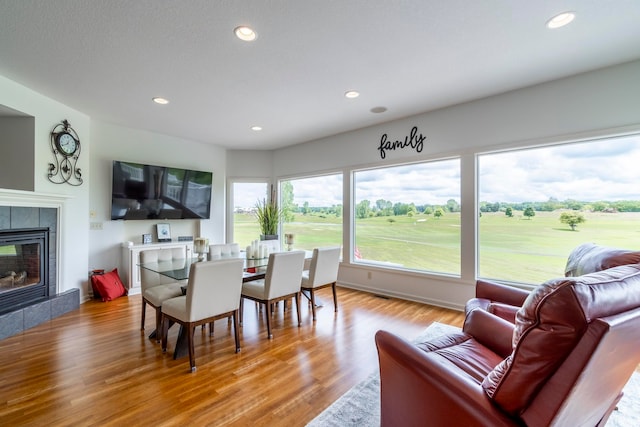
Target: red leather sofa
563,362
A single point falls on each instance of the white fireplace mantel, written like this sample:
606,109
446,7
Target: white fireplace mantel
30,198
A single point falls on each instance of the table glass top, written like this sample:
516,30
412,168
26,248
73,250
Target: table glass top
179,269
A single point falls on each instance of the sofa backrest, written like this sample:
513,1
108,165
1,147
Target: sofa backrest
589,258
588,384
550,326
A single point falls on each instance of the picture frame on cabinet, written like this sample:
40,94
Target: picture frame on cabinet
164,232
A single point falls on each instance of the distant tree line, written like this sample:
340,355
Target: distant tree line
554,204
387,208
366,209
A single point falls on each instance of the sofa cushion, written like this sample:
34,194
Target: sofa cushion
470,358
549,325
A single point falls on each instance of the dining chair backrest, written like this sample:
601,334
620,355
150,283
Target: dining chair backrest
149,279
214,288
273,245
215,250
324,266
283,273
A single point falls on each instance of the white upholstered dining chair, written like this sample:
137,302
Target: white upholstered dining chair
322,273
213,292
281,282
155,287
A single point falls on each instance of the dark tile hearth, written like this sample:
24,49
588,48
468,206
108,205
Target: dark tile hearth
15,322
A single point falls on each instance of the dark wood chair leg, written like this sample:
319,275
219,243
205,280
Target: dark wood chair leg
335,297
297,298
210,329
268,314
164,332
312,298
235,330
241,309
192,354
144,311
158,321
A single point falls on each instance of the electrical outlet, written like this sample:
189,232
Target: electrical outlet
95,226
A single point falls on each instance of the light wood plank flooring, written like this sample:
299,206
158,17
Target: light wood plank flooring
94,366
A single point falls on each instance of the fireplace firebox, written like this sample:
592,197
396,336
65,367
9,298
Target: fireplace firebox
24,267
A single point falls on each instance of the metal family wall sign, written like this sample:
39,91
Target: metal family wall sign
413,140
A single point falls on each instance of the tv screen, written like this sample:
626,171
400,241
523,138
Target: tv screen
141,191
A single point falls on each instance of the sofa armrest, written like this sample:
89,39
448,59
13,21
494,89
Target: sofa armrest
491,331
504,311
498,292
417,389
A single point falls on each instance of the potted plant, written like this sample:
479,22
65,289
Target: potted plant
269,216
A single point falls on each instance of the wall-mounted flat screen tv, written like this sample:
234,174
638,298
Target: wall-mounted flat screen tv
140,191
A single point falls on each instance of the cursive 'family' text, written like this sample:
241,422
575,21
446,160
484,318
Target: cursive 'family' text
412,140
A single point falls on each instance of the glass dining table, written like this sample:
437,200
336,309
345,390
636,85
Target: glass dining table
254,269
179,269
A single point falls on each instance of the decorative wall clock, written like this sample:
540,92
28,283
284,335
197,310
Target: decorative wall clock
65,145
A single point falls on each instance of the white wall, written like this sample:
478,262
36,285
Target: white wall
597,103
591,104
73,222
81,250
112,142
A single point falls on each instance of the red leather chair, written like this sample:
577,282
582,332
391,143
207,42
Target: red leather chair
504,301
572,349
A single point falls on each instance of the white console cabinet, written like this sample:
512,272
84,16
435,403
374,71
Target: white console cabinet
131,259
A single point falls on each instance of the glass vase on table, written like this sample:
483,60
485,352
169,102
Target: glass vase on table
201,247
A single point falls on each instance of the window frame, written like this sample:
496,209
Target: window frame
341,173
512,148
353,217
230,222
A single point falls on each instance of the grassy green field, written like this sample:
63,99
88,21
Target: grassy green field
515,249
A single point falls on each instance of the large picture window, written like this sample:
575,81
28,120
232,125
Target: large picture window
536,205
408,216
245,225
312,211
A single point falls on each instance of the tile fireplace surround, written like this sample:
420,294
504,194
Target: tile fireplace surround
56,304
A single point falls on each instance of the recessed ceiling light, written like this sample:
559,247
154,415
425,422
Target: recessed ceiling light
560,20
378,110
352,94
161,101
256,128
245,33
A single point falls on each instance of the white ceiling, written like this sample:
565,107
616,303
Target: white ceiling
108,58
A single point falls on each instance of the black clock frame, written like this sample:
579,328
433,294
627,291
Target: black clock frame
59,136
65,169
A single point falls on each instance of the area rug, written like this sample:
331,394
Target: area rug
360,406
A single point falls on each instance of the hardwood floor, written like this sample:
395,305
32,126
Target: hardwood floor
94,366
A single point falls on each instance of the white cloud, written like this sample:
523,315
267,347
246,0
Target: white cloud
603,170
